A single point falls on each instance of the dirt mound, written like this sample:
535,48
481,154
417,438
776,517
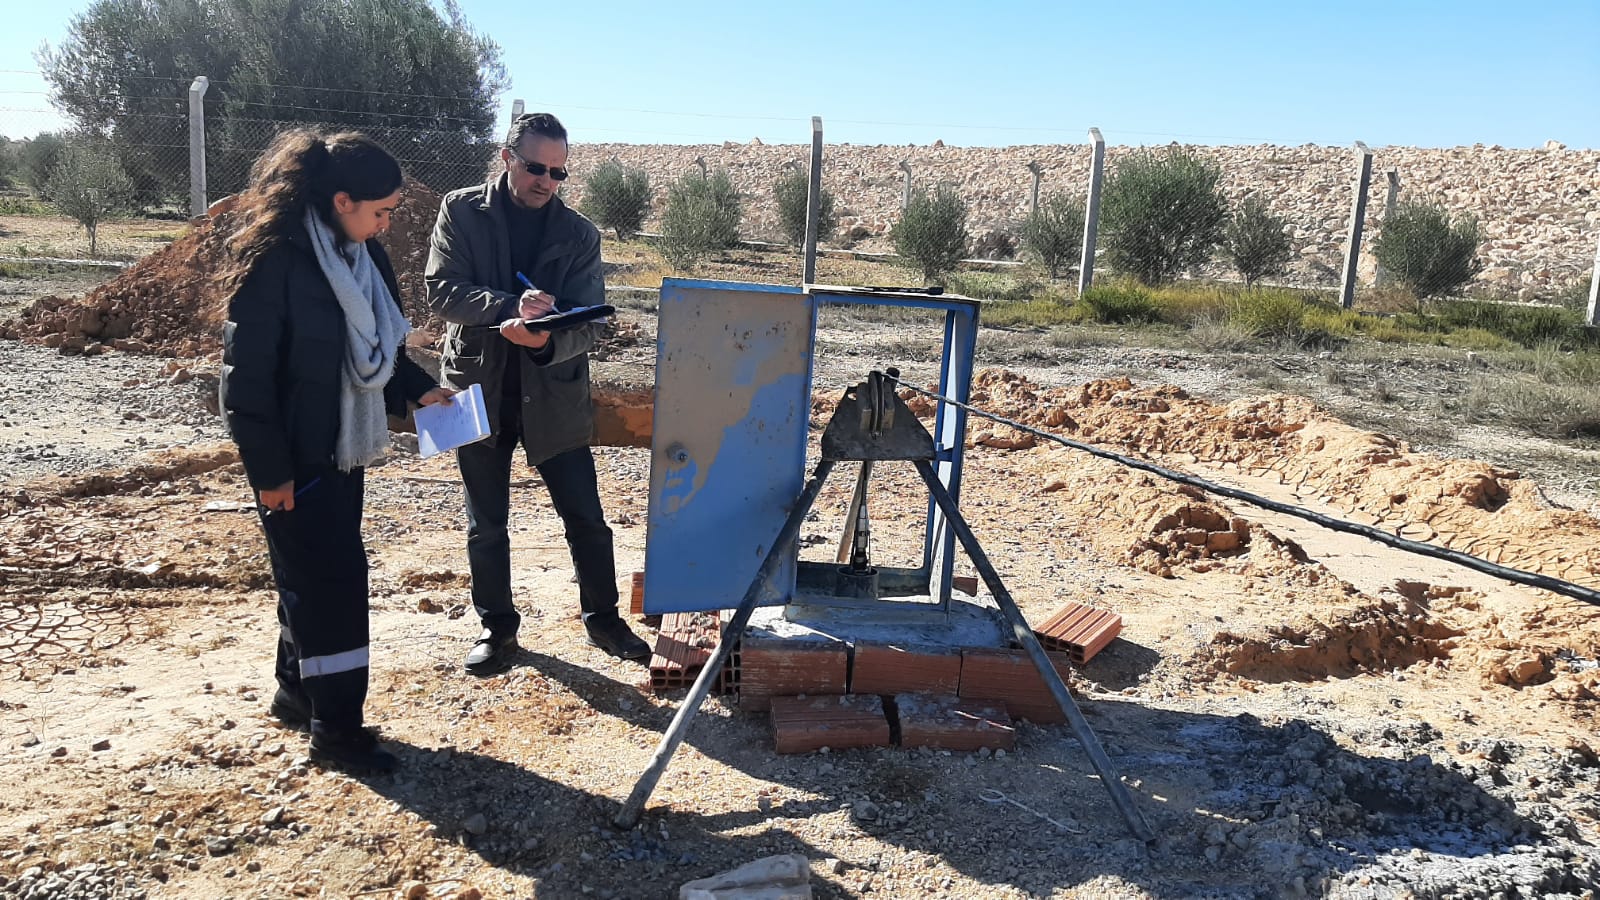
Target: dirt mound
1374,636
1374,479
165,303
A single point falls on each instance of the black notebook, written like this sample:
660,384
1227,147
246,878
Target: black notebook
567,318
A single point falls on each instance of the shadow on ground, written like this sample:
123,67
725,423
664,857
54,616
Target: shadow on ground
1237,805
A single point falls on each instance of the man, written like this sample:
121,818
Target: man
491,245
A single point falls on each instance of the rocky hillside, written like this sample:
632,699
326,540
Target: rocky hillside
1540,209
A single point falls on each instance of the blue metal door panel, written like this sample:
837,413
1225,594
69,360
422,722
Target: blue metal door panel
728,445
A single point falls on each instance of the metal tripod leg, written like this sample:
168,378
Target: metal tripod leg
781,545
1120,798
847,541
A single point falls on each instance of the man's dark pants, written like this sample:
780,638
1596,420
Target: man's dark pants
575,494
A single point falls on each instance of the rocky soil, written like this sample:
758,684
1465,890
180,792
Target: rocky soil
1305,714
1297,712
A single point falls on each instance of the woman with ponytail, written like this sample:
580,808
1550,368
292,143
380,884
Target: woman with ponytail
313,362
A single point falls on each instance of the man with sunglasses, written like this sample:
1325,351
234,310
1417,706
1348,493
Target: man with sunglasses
491,245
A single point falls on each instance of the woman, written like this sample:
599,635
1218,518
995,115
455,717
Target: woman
313,359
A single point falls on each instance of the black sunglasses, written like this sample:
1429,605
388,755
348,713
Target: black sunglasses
538,170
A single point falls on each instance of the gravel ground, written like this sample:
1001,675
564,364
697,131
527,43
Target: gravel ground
1415,779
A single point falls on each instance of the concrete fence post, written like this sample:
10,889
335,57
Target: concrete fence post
1091,209
1380,275
905,194
197,145
1358,215
1594,291
813,203
1038,174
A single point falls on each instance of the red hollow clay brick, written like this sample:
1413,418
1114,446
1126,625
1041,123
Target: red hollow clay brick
895,669
683,646
953,723
773,667
636,596
1080,631
803,724
1010,676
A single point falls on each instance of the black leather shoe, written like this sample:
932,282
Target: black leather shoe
492,653
614,637
291,710
351,751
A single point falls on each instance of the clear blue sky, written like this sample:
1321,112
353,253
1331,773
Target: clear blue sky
993,73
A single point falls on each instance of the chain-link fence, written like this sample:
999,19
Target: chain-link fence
1486,222
1283,214
150,136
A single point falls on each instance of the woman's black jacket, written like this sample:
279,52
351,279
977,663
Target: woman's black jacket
282,350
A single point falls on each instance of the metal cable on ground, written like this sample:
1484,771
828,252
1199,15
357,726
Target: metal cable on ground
1532,579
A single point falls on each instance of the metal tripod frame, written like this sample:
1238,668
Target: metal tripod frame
875,424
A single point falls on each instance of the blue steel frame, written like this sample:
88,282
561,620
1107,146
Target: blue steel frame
950,423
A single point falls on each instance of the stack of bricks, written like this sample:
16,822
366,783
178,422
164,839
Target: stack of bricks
683,647
824,692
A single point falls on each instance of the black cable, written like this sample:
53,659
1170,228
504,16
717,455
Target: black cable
1532,579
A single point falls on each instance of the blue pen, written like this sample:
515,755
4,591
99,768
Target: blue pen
306,487
529,284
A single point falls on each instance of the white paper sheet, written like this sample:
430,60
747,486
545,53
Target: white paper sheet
441,427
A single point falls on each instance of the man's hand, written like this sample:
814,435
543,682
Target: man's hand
278,499
533,304
437,395
517,333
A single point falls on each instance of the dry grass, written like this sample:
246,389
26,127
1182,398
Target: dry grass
56,236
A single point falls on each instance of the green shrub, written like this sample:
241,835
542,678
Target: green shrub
995,243
1187,304
1219,333
1001,286
793,193
1547,410
10,163
38,160
617,197
1529,326
932,232
1118,303
1162,214
88,184
1053,233
15,205
1029,314
1256,241
701,218
1269,314
1428,250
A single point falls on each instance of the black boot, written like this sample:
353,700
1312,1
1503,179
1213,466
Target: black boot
292,710
492,654
352,750
612,635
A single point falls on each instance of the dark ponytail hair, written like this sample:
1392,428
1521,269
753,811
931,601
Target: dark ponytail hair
303,168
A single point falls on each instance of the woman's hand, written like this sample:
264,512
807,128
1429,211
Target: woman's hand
278,499
437,395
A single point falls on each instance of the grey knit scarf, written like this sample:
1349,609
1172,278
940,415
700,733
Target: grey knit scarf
373,330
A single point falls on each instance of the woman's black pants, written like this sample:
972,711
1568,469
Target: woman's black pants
320,567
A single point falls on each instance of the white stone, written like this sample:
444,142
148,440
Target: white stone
786,877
